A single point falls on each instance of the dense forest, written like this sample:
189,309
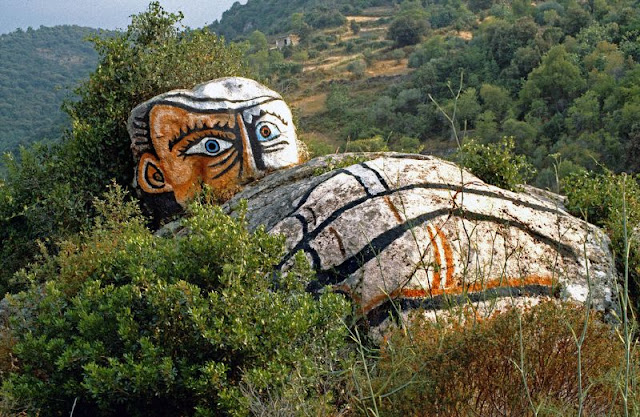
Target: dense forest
38,70
101,315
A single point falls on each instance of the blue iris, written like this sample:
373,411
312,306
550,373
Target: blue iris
266,131
212,146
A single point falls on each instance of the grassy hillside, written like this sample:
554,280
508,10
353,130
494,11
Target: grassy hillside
38,69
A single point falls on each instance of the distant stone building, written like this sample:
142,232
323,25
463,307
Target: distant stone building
289,40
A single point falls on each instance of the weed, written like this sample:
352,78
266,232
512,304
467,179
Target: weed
467,367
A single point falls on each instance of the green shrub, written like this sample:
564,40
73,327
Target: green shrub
407,144
408,27
357,68
123,322
374,144
495,163
599,198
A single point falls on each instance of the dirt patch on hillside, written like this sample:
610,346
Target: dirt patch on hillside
388,67
311,105
360,19
467,36
330,62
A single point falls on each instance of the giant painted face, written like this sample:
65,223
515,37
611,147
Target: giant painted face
223,133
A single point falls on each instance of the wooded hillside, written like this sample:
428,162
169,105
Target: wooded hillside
560,77
38,69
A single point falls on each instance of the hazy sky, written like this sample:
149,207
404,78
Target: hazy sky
105,14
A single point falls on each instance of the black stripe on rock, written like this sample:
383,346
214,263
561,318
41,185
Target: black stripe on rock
375,247
425,217
385,239
390,308
308,193
382,180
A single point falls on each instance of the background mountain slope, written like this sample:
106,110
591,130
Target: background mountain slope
38,69
273,16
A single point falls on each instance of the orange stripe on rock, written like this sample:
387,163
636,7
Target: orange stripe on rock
335,234
436,254
393,208
546,281
448,256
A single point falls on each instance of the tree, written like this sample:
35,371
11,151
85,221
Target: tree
337,100
152,56
410,25
354,26
486,127
575,18
324,17
495,99
258,42
557,81
300,27
357,68
584,114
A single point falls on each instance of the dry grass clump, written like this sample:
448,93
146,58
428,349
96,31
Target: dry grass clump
479,368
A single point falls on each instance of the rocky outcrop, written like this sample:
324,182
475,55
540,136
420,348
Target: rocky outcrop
398,232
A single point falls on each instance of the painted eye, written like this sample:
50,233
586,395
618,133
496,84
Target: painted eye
266,131
208,146
212,146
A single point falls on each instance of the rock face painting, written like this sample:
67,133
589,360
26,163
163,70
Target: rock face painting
224,133
401,232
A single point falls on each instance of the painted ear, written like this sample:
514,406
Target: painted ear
150,177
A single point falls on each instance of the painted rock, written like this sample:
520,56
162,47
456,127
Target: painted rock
224,133
404,232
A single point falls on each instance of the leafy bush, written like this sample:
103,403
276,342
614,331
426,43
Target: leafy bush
123,322
495,163
613,202
357,68
373,144
472,367
324,17
407,144
408,29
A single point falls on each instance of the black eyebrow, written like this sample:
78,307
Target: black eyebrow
173,142
263,112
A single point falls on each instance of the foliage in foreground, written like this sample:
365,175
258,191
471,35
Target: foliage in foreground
473,368
124,322
496,163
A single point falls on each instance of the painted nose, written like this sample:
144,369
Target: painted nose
249,171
